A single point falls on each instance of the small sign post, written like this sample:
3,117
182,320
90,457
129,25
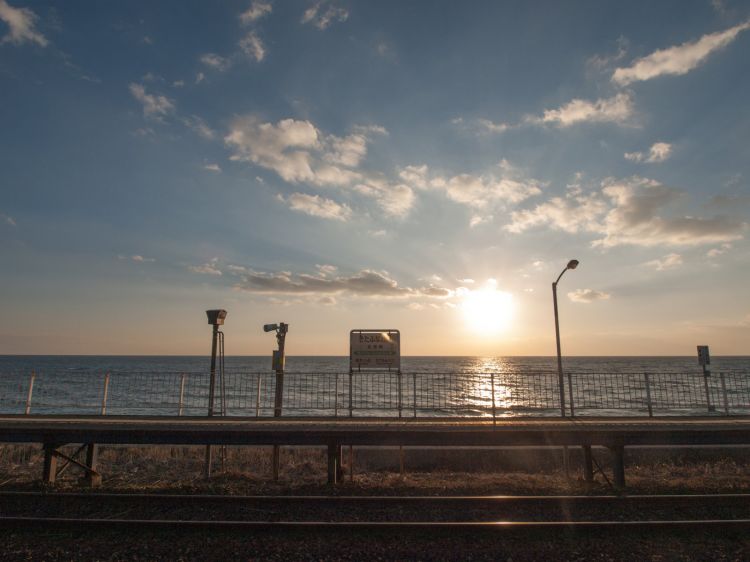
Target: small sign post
704,359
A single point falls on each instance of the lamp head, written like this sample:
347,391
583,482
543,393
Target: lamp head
216,317
270,327
572,264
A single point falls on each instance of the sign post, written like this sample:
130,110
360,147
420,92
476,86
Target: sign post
704,359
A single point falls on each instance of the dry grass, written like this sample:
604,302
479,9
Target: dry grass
247,470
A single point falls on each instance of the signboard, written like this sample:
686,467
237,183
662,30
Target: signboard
703,357
374,349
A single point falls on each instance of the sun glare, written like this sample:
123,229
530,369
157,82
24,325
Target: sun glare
488,311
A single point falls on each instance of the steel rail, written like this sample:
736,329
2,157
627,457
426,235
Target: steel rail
81,523
669,498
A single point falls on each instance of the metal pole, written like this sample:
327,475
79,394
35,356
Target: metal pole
182,394
570,392
724,392
494,411
104,394
706,374
399,393
211,384
414,387
257,397
336,398
279,399
31,391
561,380
351,386
648,395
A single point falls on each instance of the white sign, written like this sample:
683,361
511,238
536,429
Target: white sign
374,349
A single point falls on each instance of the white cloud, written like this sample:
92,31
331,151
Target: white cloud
415,176
178,84
21,24
137,258
587,295
617,109
396,199
679,59
670,261
347,151
317,206
658,152
200,77
215,61
284,147
627,212
476,220
208,268
323,13
253,47
212,168
7,219
481,126
721,250
483,191
199,126
326,269
257,10
154,106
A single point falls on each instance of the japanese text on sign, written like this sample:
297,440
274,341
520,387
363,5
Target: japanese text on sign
375,349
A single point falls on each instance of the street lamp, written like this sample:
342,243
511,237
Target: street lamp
572,264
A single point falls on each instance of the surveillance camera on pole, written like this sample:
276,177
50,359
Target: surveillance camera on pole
215,318
277,365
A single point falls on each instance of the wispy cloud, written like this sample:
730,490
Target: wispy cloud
257,9
154,106
627,212
252,45
670,261
323,13
587,295
212,168
617,109
215,61
21,24
679,59
208,268
198,125
7,219
365,283
136,258
317,206
659,152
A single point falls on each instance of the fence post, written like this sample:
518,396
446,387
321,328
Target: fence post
648,395
29,394
570,392
182,395
351,387
399,393
105,391
710,407
494,410
257,396
724,393
336,398
414,387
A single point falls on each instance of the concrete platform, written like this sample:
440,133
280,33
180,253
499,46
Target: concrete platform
613,433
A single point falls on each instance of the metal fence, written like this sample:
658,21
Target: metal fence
383,394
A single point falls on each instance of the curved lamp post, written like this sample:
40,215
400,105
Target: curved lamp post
572,264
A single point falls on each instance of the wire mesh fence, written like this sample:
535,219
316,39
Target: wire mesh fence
381,394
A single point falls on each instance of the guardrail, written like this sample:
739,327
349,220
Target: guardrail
386,394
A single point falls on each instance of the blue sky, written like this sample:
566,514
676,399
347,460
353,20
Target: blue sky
425,166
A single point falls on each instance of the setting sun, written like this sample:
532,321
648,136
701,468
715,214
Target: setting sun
487,310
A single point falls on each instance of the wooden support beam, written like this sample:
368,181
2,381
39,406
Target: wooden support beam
93,478
588,464
334,450
618,465
49,469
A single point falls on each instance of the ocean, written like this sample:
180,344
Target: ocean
425,386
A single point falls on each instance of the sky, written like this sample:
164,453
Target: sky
429,167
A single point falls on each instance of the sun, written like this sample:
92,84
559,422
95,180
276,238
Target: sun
487,310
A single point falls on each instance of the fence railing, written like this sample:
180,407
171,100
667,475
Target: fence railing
384,394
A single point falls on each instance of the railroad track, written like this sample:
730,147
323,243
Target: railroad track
475,513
